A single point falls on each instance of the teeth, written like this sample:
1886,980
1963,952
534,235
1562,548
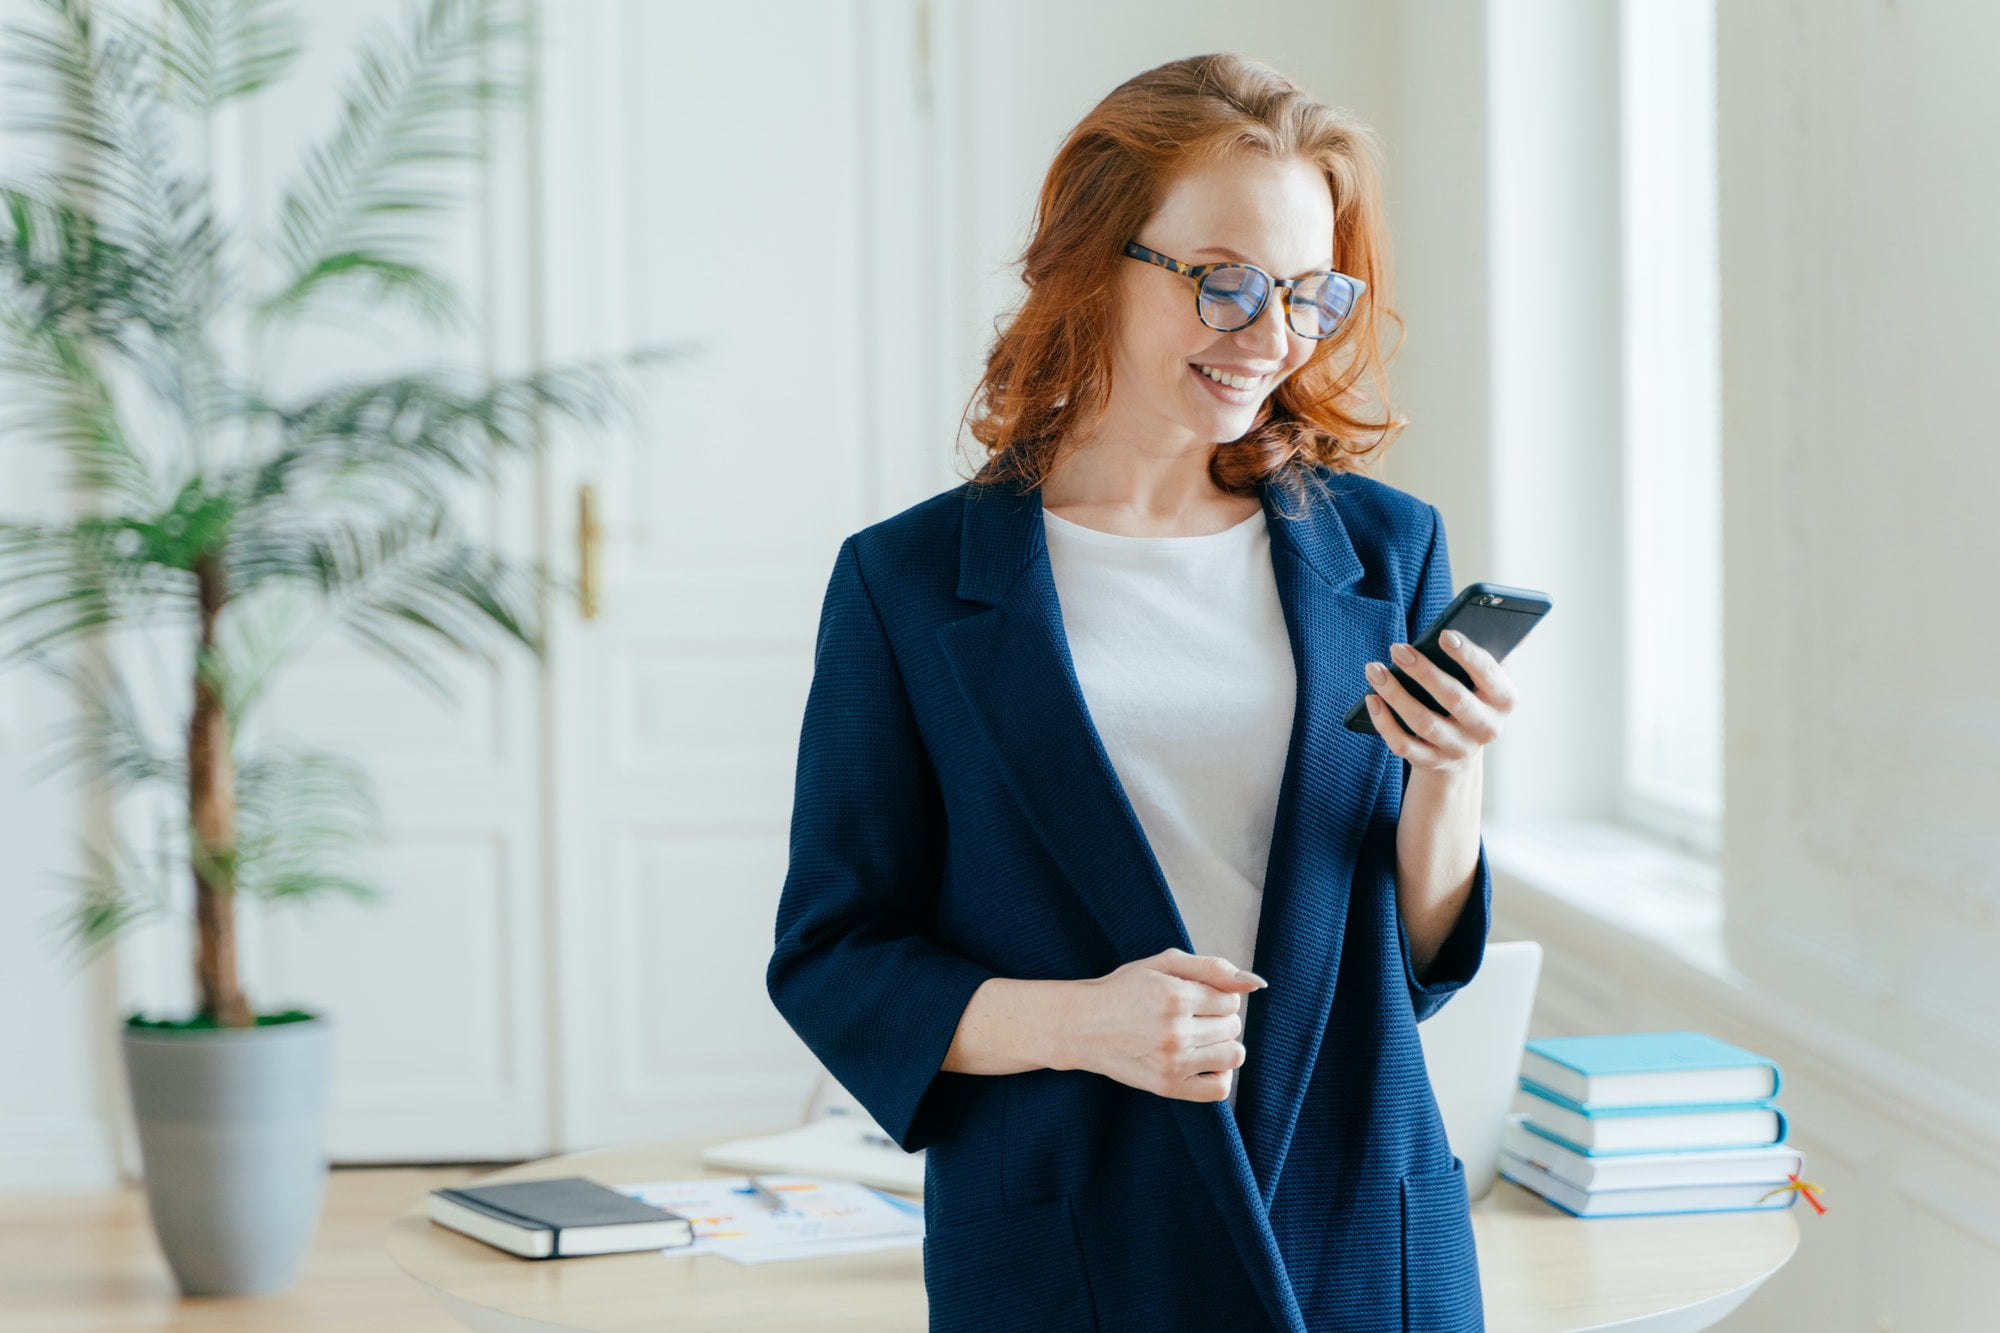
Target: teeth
1224,377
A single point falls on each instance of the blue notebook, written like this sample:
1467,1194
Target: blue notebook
1668,1127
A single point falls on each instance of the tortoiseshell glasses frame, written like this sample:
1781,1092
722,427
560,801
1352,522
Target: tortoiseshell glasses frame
1308,294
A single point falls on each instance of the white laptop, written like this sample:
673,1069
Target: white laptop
1473,1048
838,1140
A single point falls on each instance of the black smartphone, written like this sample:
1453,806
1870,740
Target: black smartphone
1492,615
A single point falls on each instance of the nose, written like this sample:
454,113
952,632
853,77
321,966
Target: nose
1269,336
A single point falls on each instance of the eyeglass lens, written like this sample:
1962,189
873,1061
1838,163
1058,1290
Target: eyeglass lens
1234,295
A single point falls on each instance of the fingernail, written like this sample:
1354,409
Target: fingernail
1452,637
1374,668
1242,975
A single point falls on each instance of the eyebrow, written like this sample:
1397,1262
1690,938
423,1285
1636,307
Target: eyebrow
1228,253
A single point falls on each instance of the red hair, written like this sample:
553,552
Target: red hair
1048,375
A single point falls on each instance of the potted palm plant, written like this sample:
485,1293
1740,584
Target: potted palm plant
225,524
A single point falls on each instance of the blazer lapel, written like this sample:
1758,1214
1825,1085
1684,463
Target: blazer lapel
1329,787
1013,665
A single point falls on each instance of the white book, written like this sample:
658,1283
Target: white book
1751,1196
1767,1166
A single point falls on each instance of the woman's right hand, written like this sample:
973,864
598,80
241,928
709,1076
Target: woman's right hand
1168,1024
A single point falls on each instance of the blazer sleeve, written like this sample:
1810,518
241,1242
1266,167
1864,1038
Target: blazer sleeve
1464,948
854,971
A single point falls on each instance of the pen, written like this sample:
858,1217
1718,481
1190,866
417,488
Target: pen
764,1192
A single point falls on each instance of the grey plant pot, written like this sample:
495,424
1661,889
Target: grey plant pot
232,1133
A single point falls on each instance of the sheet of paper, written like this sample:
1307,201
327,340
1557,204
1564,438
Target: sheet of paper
820,1217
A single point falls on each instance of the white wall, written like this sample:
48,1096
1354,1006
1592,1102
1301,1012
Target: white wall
51,1101
1861,859
1860,279
1438,198
51,1098
1861,480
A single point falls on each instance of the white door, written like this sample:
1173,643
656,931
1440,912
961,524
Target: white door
708,184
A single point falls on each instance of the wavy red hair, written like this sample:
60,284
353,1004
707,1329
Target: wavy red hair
1048,374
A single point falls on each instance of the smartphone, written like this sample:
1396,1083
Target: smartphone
1492,615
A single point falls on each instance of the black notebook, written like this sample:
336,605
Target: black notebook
559,1219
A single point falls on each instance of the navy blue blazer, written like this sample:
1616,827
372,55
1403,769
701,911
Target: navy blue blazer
956,818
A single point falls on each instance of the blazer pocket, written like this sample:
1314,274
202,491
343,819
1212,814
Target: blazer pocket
1440,1263
1009,1272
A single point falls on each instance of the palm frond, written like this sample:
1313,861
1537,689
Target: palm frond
113,169
411,105
220,50
395,584
107,740
67,62
75,309
303,817
115,150
73,278
425,431
378,276
54,393
116,890
60,582
257,635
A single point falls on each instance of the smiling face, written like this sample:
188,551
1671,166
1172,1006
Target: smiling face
1277,215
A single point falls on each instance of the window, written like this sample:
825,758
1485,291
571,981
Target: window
1672,423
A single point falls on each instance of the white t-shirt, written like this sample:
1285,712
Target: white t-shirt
1186,668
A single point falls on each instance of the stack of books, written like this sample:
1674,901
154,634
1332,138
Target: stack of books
1624,1124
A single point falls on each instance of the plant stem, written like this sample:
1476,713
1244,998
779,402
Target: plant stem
212,813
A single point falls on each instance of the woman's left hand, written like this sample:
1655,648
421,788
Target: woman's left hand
1425,737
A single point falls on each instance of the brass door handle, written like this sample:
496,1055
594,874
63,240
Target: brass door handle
589,540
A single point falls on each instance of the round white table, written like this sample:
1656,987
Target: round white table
1541,1270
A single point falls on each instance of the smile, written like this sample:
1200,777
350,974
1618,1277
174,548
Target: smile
1229,387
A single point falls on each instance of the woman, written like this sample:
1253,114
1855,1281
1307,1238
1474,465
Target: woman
1073,760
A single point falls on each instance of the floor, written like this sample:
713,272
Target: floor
89,1261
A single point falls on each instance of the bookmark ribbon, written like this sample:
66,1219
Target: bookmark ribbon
1804,1187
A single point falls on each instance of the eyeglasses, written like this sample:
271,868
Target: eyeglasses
1231,296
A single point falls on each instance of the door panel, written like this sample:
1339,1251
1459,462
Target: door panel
704,184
